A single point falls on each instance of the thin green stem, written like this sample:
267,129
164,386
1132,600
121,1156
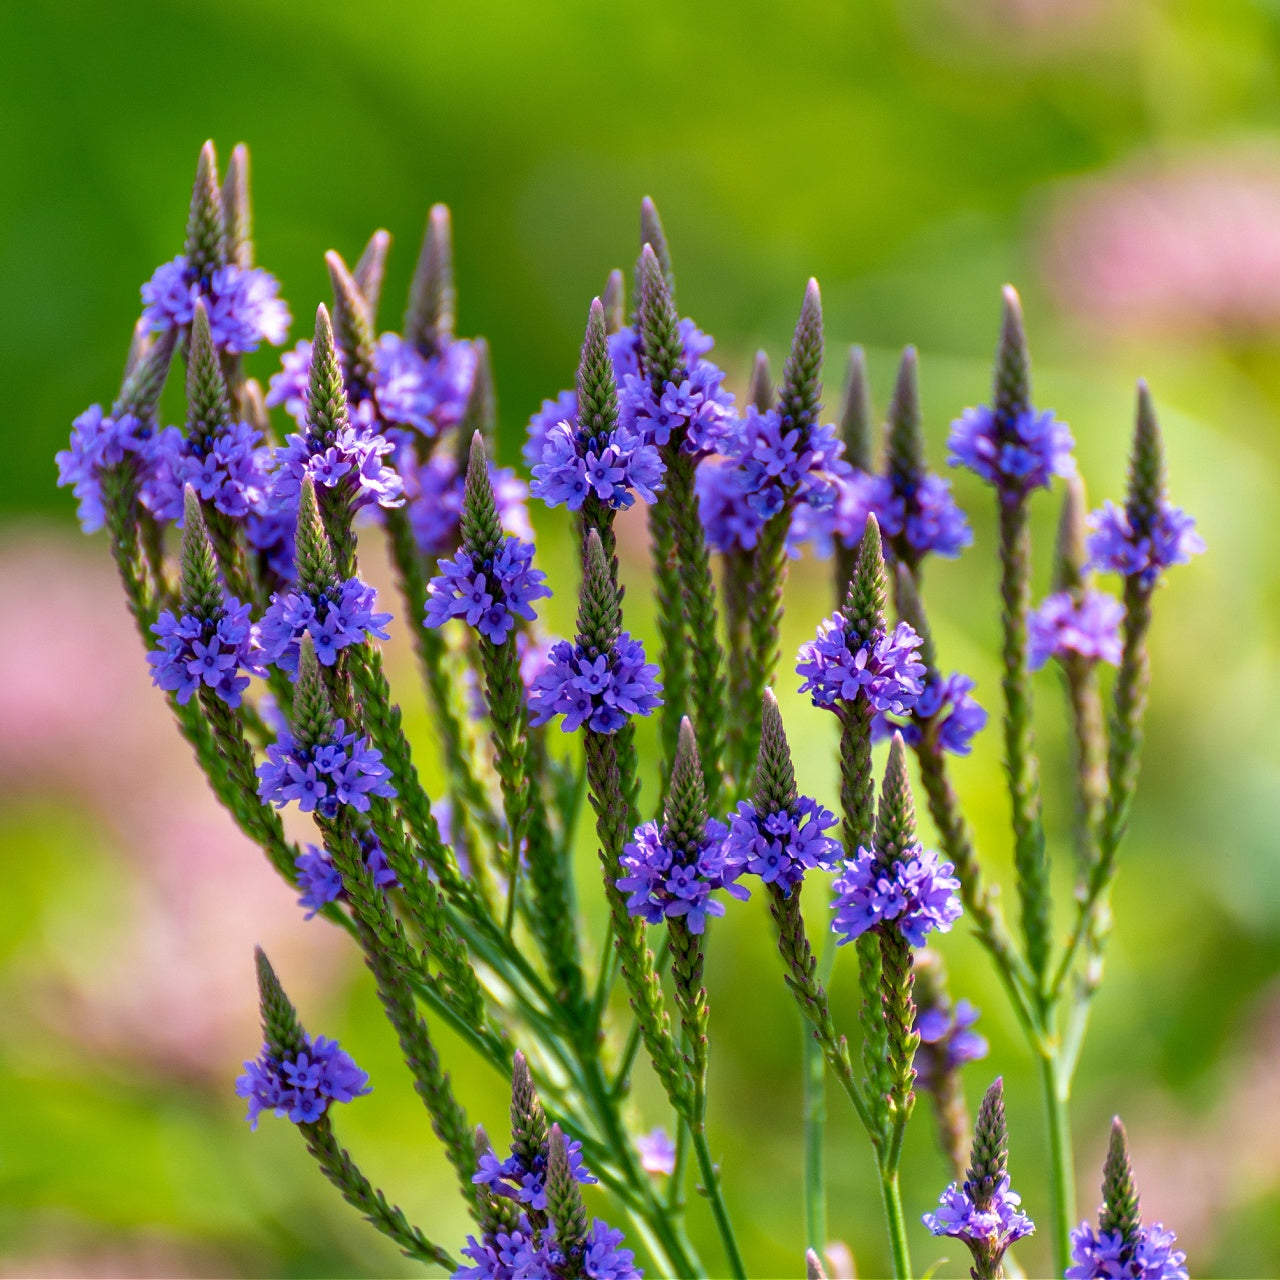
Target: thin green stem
675,1192
1057,1096
815,1125
897,1225
711,1186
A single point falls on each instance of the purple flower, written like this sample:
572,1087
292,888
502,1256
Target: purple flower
351,461
99,441
603,1256
1166,538
921,511
599,691
917,894
530,1253
780,847
320,881
231,470
657,1152
959,716
341,615
343,770
1089,627
612,466
696,410
666,883
1105,1255
288,387
427,393
243,304
434,492
564,408
733,524
839,667
1016,456
779,467
490,594
301,1085
946,1041
991,1230
518,1179
206,651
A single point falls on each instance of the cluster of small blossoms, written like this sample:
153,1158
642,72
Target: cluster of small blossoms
320,881
916,894
433,490
733,524
696,409
778,466
339,616
885,669
243,304
353,460
299,1086
946,1041
780,847
923,512
525,1181
99,441
1106,1255
666,883
232,471
524,1253
220,652
613,466
1168,538
342,770
959,716
599,691
489,594
991,1229
1017,454
1088,626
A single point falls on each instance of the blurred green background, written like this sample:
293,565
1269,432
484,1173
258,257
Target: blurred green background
1117,159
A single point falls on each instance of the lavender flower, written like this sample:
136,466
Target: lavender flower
780,847
321,882
489,595
524,1253
613,466
1017,456
301,1085
959,716
1105,1255
353,461
663,885
212,651
564,408
434,492
342,770
885,669
525,1180
778,467
946,1041
99,441
657,1152
243,303
231,471
733,524
992,1229
427,393
339,616
916,894
599,691
1168,539
1088,626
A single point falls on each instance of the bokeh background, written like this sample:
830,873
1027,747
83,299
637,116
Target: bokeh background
1119,160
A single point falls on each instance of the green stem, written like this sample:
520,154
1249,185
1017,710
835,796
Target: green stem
897,1225
815,1124
1057,1096
711,1185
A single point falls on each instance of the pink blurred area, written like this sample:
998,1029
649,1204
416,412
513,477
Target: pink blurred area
161,974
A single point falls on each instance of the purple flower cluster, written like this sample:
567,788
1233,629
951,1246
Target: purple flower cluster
991,1230
343,770
922,512
99,441
600,692
490,594
434,492
917,894
232,471
335,618
1168,538
517,1179
665,883
243,304
210,651
320,881
946,1041
1105,1255
885,669
613,466
301,1085
959,715
733,524
527,1254
354,461
657,1152
1016,456
780,847
696,410
777,467
1089,627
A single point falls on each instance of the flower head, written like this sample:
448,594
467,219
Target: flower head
1115,545
665,882
885,669
340,616
427,393
99,441
491,594
525,1179
657,1152
779,466
958,715
613,466
231,471
341,770
220,652
780,847
353,462
301,1085
320,881
946,1041
599,691
1105,1255
434,491
992,1229
1016,456
1088,626
244,306
915,894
